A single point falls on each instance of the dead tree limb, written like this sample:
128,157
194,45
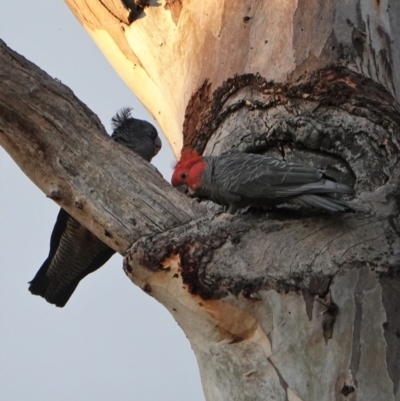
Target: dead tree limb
63,148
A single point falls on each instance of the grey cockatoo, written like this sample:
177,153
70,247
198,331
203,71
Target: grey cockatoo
74,251
241,179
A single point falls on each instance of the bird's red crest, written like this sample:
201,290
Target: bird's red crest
188,169
189,154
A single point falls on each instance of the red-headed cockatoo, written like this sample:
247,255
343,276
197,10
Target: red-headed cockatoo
239,180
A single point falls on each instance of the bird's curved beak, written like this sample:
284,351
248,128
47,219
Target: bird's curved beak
158,144
182,188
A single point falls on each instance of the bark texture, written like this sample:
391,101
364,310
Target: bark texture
289,305
174,47
63,148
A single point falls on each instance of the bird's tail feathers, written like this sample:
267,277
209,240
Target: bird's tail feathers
59,295
327,187
324,202
52,292
40,283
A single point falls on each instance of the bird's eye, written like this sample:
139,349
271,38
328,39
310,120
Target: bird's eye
183,176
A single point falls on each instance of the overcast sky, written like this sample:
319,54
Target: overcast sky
111,341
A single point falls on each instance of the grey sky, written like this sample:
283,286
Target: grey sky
111,341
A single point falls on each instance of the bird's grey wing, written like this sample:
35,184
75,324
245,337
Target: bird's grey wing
258,176
74,254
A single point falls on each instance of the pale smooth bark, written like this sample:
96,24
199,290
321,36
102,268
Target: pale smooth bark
167,53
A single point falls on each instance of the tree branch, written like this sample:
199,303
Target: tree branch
63,148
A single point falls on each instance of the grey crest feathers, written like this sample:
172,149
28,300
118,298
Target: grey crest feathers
138,135
74,251
121,117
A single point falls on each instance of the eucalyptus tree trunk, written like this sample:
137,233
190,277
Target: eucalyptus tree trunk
277,306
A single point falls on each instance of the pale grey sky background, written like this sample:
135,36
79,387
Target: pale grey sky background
111,341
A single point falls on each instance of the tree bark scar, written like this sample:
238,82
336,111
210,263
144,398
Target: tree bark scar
363,283
346,390
390,292
135,8
194,254
175,7
214,262
333,86
197,111
329,315
282,381
319,285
